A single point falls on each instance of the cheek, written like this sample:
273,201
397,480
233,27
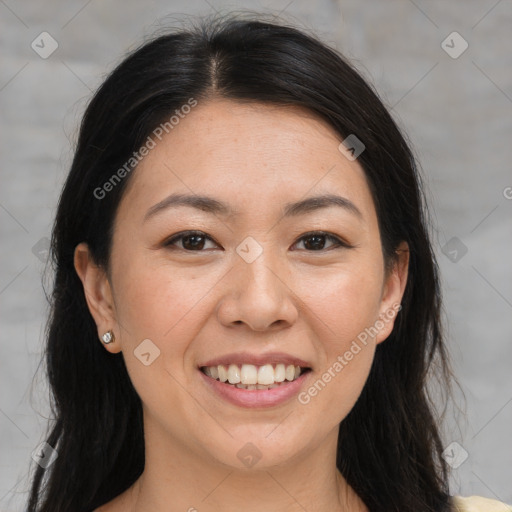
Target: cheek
162,305
157,300
346,306
347,301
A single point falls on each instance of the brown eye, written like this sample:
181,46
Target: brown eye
190,241
316,241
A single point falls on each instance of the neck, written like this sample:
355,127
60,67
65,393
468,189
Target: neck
178,480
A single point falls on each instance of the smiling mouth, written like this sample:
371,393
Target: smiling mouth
252,377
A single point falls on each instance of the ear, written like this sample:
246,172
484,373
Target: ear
393,291
98,294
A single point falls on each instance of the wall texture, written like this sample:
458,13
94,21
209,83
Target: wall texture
445,71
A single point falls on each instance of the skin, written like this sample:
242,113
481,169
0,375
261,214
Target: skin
307,302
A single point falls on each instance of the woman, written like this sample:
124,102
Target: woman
246,303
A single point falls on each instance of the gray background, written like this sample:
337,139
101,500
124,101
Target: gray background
456,111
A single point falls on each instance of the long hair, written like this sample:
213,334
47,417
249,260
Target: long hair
389,447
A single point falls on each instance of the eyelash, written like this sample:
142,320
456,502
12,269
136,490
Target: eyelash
338,242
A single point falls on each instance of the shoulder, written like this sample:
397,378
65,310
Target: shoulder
479,504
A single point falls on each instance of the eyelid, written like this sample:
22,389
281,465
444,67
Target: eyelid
338,241
168,242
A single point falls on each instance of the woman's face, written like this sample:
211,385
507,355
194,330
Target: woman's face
255,287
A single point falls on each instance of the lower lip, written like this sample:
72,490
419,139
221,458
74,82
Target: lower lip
255,397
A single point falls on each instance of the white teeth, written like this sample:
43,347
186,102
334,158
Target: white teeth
233,374
290,372
266,374
279,373
249,376
223,373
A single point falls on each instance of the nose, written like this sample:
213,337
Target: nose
259,295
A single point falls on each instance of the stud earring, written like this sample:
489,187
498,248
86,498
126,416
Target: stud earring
108,337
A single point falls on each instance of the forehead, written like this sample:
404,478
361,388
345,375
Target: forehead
247,153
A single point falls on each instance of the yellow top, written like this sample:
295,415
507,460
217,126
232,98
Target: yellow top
479,504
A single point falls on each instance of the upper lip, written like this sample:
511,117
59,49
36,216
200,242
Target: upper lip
240,358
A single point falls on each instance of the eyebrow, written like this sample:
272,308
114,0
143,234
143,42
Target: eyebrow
214,206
